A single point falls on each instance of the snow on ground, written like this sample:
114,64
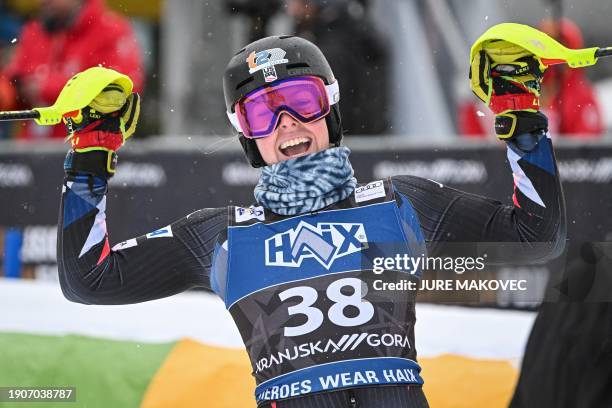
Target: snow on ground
40,308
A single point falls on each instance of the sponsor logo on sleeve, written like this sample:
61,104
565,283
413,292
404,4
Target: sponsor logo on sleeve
245,214
371,191
125,244
165,232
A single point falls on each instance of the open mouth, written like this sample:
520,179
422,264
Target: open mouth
295,147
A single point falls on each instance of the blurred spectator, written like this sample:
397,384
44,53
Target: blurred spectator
568,98
258,12
474,119
357,55
69,36
10,27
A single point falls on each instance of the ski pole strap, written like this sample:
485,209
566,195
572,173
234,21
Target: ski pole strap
101,163
508,125
514,101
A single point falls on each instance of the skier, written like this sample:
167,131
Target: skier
294,268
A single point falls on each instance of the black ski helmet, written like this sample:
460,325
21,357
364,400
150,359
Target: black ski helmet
296,57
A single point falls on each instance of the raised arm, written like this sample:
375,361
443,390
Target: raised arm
161,263
538,212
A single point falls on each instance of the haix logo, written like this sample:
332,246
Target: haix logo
325,242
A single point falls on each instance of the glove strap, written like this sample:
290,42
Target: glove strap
508,125
96,138
514,102
101,163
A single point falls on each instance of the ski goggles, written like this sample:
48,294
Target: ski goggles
306,98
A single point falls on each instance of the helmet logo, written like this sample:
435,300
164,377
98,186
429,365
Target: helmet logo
265,61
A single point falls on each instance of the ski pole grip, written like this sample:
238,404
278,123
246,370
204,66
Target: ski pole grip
19,115
42,116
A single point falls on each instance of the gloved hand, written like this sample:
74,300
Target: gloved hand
97,131
511,89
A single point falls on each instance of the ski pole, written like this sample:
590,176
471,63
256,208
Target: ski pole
535,42
78,92
19,115
599,53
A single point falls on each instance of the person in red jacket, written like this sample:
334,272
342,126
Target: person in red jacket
68,37
569,99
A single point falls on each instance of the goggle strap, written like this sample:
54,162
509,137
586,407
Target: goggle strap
333,93
233,118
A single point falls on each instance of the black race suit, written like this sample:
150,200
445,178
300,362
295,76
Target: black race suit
190,252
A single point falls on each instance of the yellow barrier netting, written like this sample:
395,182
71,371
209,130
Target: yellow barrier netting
197,375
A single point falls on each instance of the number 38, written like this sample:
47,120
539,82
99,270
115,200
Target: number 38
314,316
